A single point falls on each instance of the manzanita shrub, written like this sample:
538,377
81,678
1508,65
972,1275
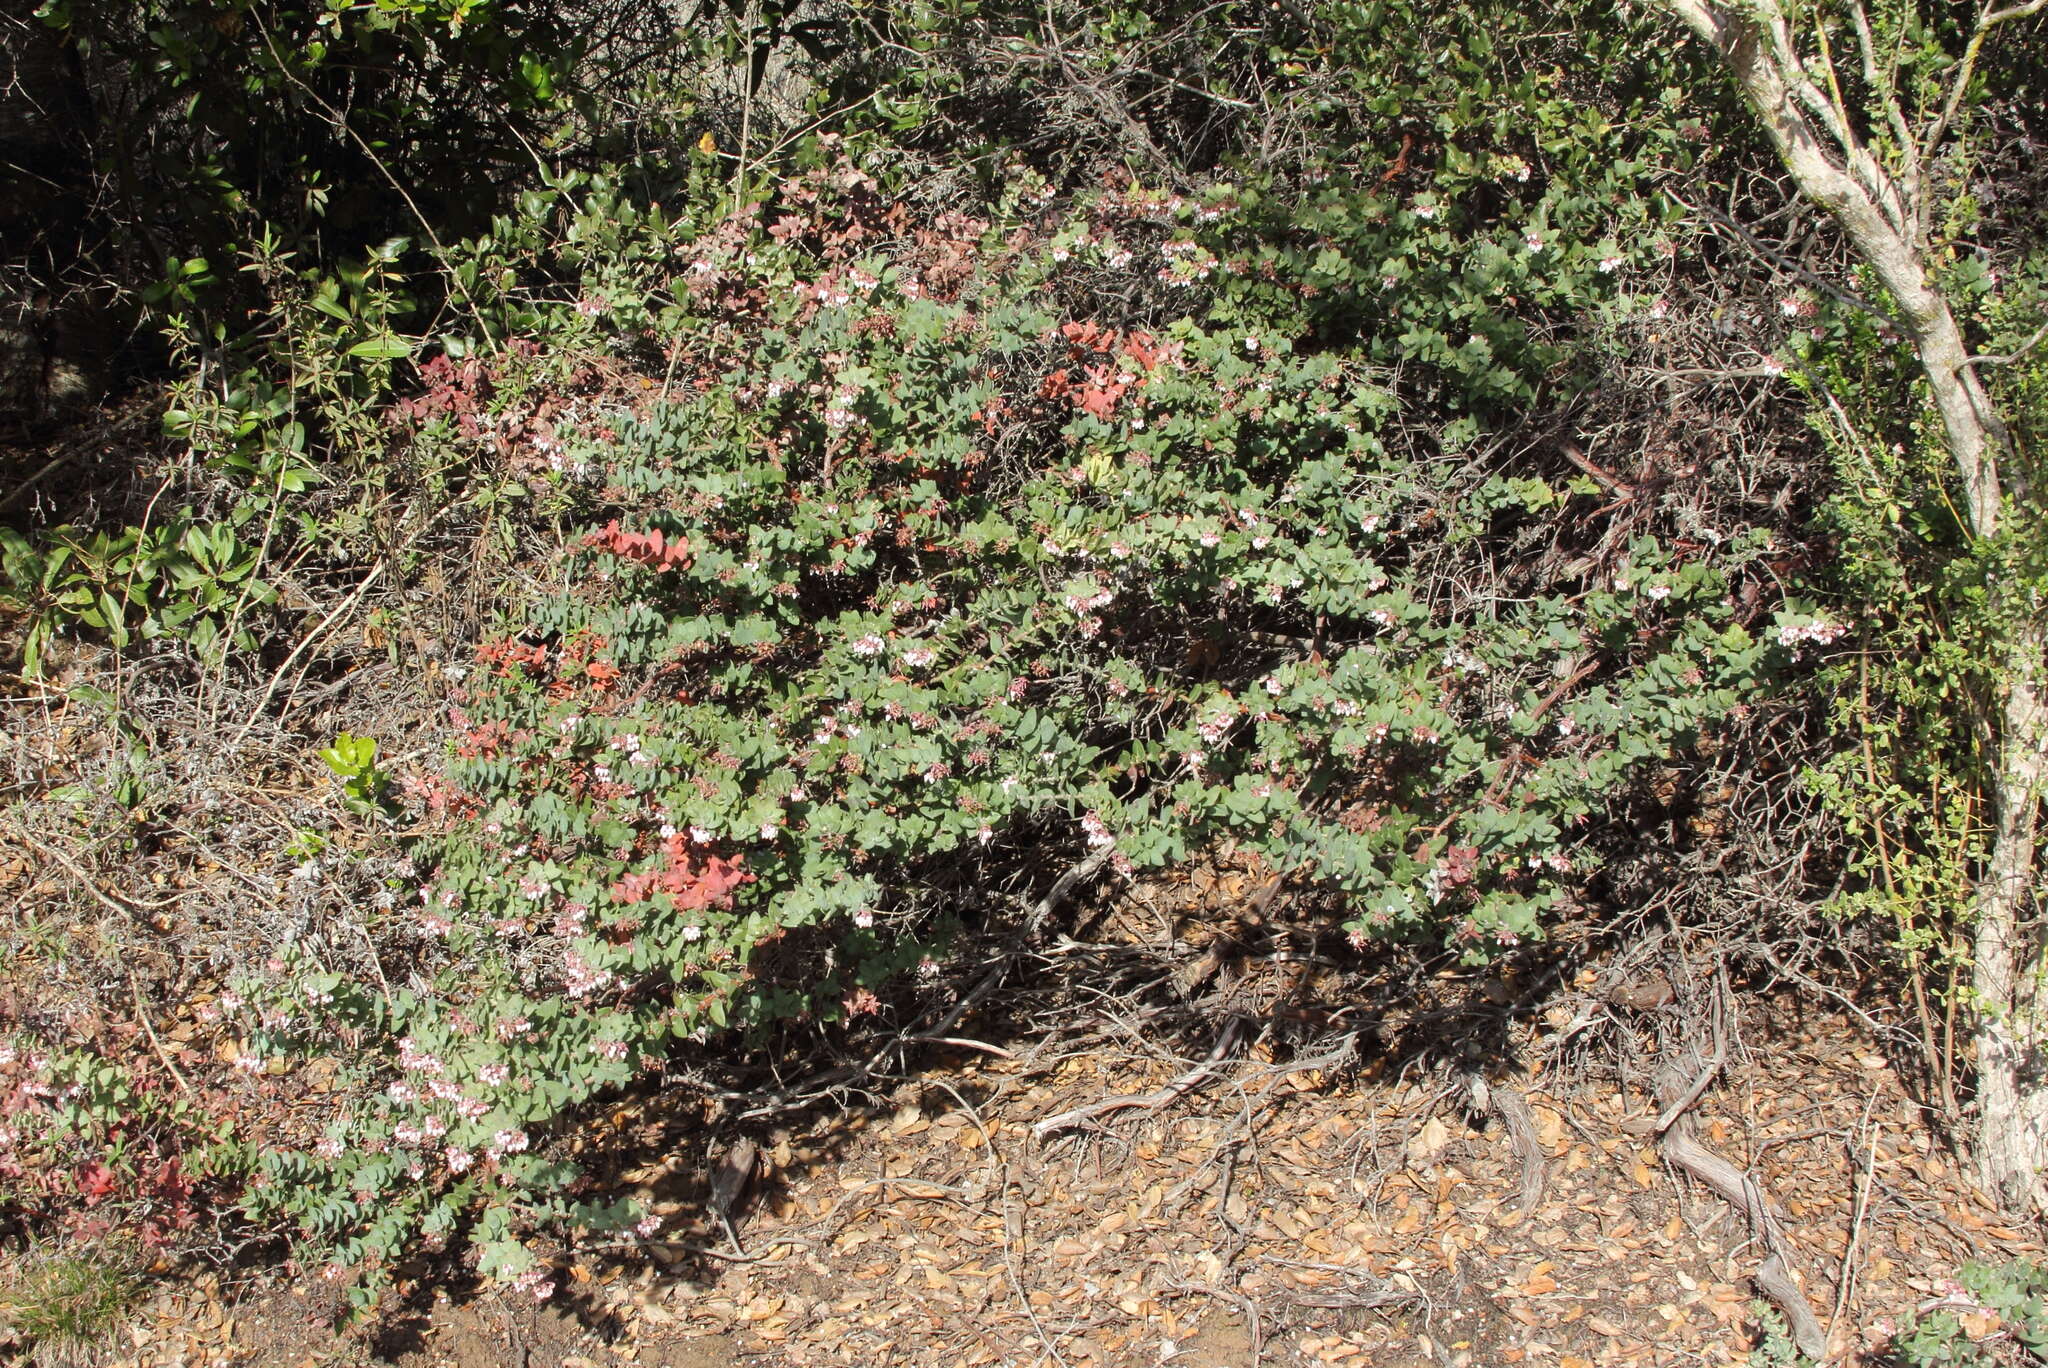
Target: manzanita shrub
930,549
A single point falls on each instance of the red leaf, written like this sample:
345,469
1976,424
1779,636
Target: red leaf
1139,347
97,1182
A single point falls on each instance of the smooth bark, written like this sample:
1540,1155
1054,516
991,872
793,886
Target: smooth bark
1883,217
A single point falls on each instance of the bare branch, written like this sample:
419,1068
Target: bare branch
1966,70
1997,17
1885,90
1777,1278
1785,263
1829,110
1152,1101
2018,352
1882,237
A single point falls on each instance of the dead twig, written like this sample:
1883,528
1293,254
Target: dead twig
1607,480
142,1019
125,907
1014,1217
804,1094
1359,1299
761,1255
729,1184
961,1043
1520,1123
319,630
42,472
1151,1101
1669,1116
1845,1279
1057,894
1777,1278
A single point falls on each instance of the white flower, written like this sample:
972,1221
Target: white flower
1433,883
1821,633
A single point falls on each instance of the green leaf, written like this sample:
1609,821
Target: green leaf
386,348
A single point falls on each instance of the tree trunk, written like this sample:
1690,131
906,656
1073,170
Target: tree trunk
1832,167
2012,1039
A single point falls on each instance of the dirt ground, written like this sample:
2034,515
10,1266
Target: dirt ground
1269,1215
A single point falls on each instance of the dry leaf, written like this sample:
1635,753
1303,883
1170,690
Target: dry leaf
1428,1141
